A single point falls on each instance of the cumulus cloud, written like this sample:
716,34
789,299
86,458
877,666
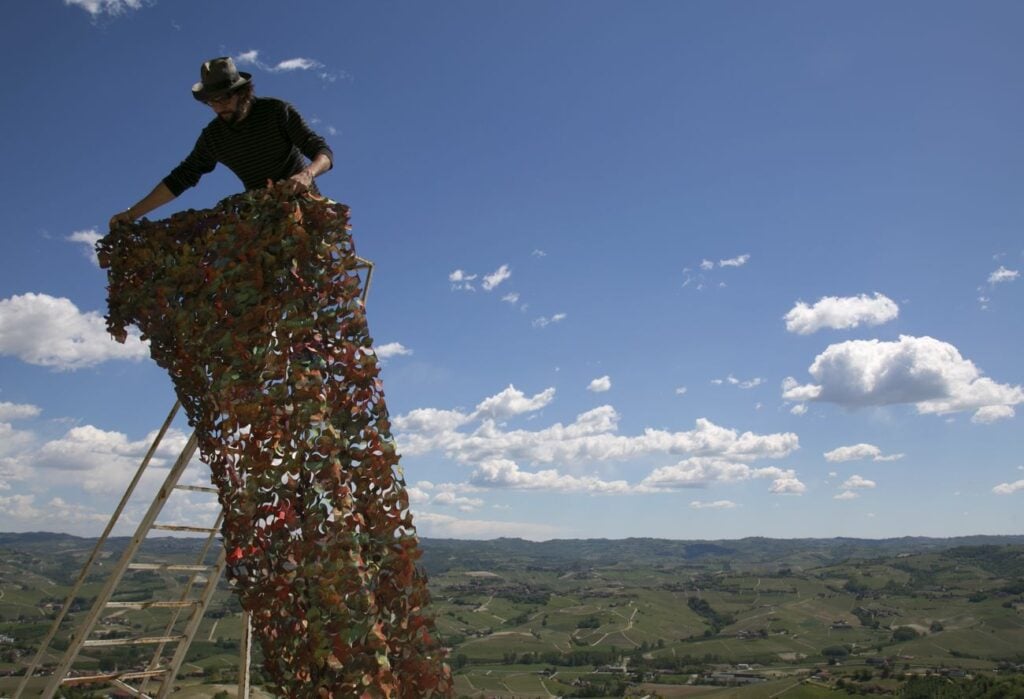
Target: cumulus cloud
702,472
715,454
392,349
846,495
707,265
101,460
462,281
787,484
512,298
539,253
17,411
799,409
992,413
681,391
505,473
734,262
105,7
858,452
496,277
512,401
543,322
856,482
600,385
1008,488
840,313
926,372
52,332
1002,275
88,238
716,505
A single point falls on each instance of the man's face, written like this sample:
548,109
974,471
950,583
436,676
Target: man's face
228,107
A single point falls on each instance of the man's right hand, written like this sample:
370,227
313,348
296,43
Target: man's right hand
121,217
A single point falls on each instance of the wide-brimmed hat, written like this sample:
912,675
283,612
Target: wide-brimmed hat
218,76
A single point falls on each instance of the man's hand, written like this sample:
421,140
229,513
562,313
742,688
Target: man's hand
121,217
303,178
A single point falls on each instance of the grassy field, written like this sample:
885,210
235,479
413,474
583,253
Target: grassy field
553,624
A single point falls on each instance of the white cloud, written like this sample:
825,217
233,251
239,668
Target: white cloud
856,482
392,349
600,385
462,281
512,401
430,524
430,420
702,472
252,58
733,381
792,390
512,298
89,238
543,322
924,371
681,391
733,262
707,265
296,64
109,7
102,460
716,454
846,495
857,452
504,473
992,413
788,484
539,253
1003,275
716,505
799,409
48,331
496,277
840,313
17,411
1008,488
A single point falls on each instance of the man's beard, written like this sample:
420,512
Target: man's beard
235,115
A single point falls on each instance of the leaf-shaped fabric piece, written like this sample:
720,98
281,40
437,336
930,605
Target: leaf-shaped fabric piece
254,308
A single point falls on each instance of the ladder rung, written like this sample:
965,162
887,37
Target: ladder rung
196,488
179,567
183,528
156,604
129,689
90,679
146,640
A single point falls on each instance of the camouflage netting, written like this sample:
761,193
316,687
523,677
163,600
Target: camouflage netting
254,308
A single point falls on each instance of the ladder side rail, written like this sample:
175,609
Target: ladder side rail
245,658
45,643
198,612
158,652
79,636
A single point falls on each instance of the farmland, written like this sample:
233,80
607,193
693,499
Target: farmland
746,618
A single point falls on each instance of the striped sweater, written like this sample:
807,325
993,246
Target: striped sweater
268,144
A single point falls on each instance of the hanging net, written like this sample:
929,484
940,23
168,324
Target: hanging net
254,308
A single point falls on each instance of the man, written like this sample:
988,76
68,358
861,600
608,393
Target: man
257,138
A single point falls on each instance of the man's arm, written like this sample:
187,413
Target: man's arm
160,195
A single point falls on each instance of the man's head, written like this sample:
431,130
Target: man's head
227,90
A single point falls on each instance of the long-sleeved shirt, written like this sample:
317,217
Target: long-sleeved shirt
268,144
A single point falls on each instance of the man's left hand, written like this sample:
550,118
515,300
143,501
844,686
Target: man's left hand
303,177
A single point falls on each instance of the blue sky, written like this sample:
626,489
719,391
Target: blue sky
671,269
